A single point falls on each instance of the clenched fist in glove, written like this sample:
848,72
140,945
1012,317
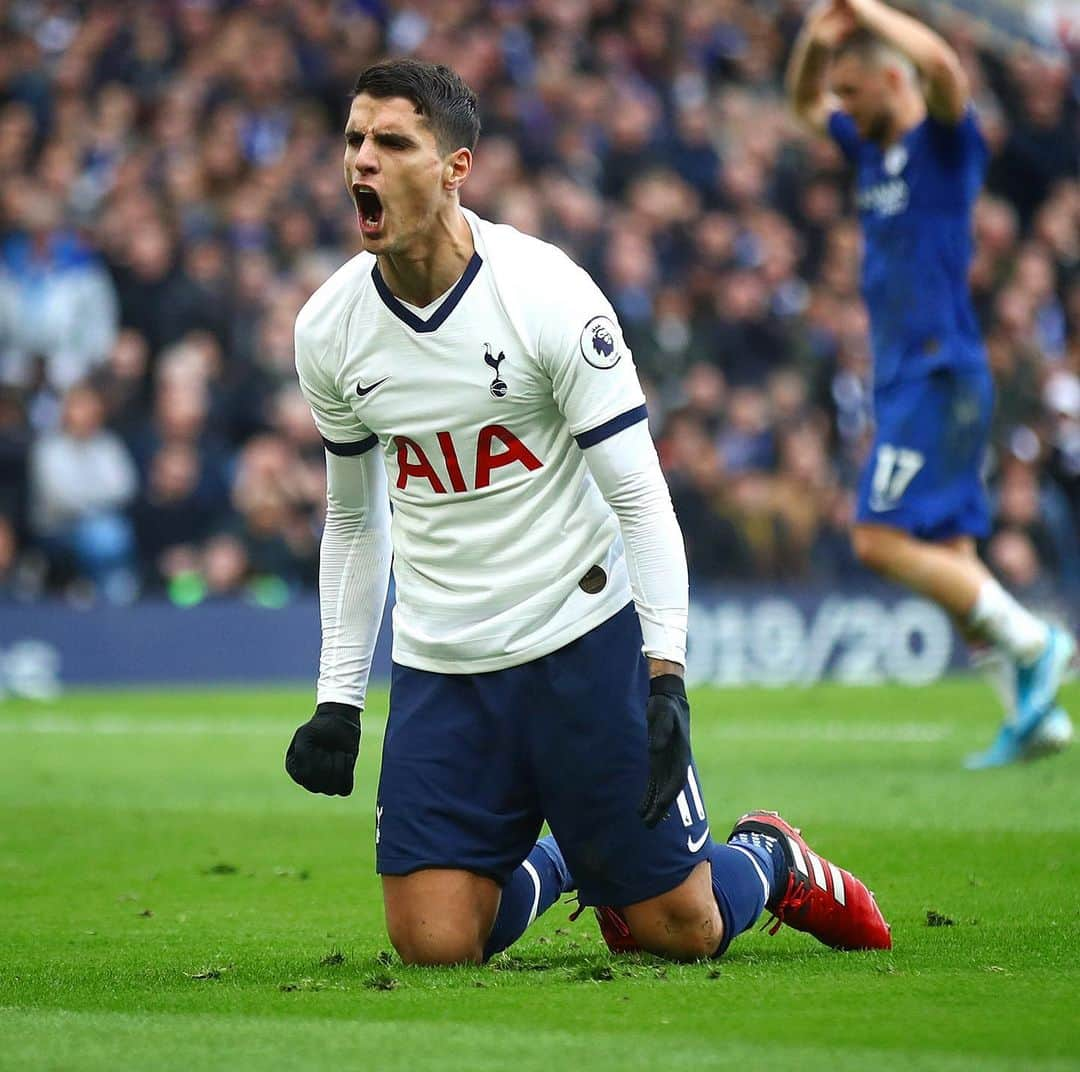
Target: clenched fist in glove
668,717
323,751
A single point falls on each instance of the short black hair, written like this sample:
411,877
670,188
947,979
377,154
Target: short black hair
438,93
867,47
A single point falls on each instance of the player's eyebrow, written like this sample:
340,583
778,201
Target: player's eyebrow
392,139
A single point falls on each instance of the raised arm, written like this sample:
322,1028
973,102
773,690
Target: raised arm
946,84
825,27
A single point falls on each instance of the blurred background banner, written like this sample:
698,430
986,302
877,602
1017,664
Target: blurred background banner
739,635
171,194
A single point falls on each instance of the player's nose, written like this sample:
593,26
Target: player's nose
365,162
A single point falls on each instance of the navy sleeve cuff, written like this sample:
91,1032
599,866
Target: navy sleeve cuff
612,427
351,450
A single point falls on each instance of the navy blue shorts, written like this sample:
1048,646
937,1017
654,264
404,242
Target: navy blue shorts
924,474
474,763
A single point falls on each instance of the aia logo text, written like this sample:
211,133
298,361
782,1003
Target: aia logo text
496,447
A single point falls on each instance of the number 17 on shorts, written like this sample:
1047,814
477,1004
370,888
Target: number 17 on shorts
894,470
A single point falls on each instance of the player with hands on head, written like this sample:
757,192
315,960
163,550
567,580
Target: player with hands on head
894,97
479,379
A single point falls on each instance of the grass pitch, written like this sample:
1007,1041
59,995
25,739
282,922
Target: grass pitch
170,900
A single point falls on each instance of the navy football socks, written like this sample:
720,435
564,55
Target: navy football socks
533,888
746,873
770,854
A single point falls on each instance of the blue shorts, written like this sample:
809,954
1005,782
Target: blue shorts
474,763
924,474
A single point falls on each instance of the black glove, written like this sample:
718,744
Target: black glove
668,716
323,751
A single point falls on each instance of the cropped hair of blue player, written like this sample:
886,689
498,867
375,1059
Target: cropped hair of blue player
540,625
894,97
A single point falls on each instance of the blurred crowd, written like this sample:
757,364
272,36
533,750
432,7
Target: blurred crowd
171,193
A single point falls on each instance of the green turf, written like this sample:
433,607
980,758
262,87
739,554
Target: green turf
170,900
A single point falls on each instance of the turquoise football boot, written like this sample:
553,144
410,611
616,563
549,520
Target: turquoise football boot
1037,685
1051,734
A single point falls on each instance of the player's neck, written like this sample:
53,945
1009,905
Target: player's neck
909,113
433,264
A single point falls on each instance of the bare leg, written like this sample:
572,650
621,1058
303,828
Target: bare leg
950,573
440,916
1029,658
453,916
684,923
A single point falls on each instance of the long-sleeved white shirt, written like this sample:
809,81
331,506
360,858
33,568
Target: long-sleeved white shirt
528,504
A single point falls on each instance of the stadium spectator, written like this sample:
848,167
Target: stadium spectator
173,175
56,301
14,452
82,480
170,518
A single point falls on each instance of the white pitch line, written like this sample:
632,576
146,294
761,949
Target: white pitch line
119,727
849,732
154,725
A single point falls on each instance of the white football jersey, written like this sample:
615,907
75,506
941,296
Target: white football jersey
481,403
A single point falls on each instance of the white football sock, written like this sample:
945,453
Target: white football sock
1008,625
999,670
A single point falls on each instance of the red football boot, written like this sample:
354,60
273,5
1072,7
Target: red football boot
615,930
820,898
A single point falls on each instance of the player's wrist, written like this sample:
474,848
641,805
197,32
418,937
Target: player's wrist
347,711
665,668
864,9
668,685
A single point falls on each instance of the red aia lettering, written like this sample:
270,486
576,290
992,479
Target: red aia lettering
412,461
446,445
516,451
421,467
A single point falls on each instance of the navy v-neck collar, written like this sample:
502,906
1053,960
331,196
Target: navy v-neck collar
437,318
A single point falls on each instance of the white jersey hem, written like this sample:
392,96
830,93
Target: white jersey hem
583,625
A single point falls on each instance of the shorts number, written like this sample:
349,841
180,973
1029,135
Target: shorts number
684,804
894,470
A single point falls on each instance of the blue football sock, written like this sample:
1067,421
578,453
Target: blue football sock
743,878
533,888
770,854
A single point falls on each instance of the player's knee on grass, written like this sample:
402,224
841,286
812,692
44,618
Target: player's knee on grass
682,924
439,916
425,946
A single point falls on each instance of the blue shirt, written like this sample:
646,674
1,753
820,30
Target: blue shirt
915,201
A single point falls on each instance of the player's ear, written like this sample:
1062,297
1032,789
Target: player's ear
457,168
894,78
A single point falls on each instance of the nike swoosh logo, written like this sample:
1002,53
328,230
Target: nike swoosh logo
361,390
693,845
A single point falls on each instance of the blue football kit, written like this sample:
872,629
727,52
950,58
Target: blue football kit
933,393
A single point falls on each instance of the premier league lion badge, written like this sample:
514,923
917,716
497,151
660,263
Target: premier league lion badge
600,343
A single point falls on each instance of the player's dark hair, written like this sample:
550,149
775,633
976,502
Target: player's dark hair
437,92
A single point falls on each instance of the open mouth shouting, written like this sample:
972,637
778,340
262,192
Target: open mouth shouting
369,210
